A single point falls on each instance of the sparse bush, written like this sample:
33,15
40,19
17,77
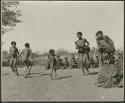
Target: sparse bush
62,52
41,59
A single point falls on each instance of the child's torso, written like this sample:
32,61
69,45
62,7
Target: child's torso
81,42
52,60
13,51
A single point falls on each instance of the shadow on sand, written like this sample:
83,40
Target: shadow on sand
45,74
93,73
34,73
63,77
5,74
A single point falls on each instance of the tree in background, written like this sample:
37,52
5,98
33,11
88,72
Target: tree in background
10,15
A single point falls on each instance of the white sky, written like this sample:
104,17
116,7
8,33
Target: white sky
54,24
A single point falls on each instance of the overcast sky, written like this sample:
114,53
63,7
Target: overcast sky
55,24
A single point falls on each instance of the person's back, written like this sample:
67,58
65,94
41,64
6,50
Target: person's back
27,59
27,54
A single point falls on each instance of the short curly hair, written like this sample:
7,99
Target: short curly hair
13,42
27,45
51,51
79,33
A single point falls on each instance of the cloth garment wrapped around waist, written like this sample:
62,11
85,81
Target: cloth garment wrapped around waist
84,49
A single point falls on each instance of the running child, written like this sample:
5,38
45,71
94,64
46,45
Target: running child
13,55
27,59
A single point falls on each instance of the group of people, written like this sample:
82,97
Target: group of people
26,58
65,62
108,75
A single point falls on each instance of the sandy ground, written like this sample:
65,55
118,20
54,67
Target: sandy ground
70,85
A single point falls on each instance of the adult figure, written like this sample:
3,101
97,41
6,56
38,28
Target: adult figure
83,48
106,47
108,75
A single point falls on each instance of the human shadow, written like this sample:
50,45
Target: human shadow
5,74
34,73
63,77
93,73
44,74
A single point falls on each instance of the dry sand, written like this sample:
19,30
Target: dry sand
70,85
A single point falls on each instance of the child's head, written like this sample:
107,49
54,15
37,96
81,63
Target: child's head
79,35
27,45
13,43
52,51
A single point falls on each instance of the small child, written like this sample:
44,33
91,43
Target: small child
13,55
66,63
53,63
27,59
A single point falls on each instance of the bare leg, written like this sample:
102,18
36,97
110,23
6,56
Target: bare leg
55,74
100,61
83,71
81,63
16,71
87,70
12,69
11,65
27,69
28,72
52,74
25,76
15,66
